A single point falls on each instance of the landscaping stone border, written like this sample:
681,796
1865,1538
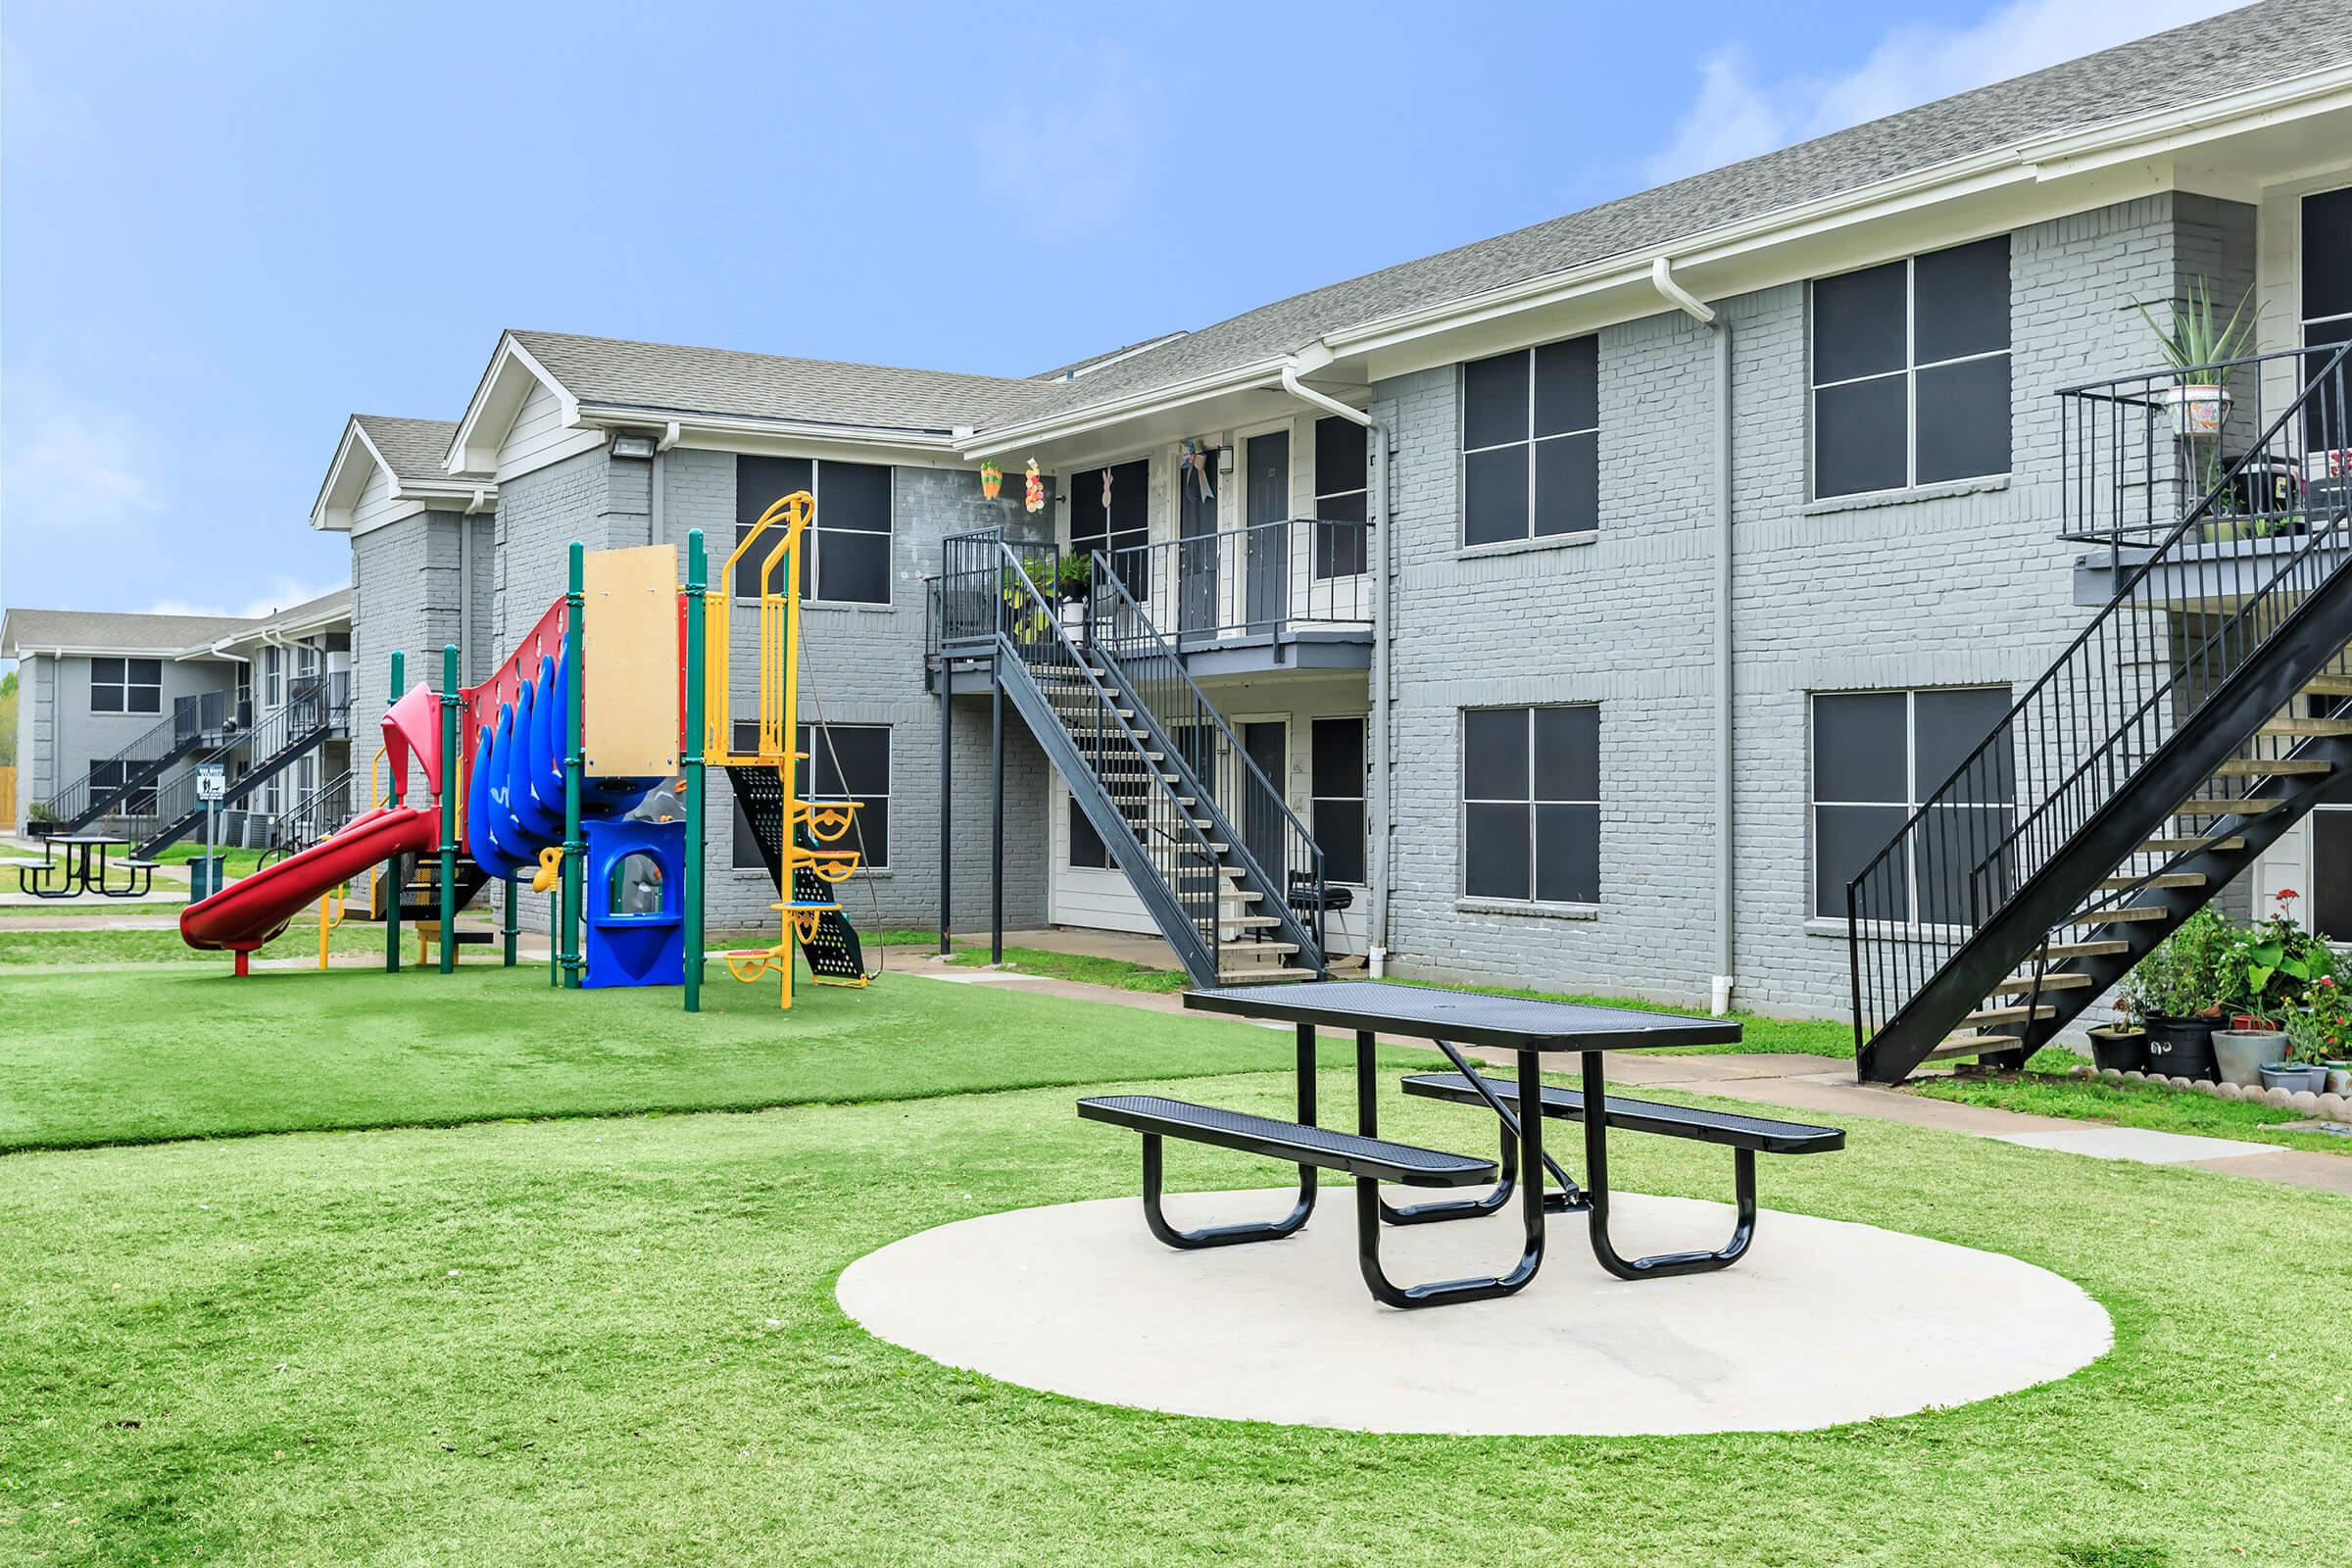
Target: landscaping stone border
2328,1107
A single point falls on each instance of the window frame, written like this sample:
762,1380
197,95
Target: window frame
125,684
1464,800
108,774
1913,788
1324,554
1464,452
856,838
1132,560
813,541
1361,800
1909,371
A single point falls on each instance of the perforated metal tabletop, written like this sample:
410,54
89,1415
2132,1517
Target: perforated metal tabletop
1464,1017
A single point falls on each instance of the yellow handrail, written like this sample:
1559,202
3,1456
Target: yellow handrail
779,633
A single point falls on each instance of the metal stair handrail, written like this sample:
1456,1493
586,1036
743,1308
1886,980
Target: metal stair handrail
1893,958
314,705
1024,627
1119,626
81,800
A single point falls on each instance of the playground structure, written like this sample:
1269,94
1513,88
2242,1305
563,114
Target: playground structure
579,766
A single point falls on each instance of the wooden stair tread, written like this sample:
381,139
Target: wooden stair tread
2305,728
2153,879
2249,806
1973,1046
2060,981
2086,949
2273,768
1243,977
2182,846
2121,915
2009,1014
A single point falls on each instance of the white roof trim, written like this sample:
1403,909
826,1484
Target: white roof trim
496,401
2035,161
347,479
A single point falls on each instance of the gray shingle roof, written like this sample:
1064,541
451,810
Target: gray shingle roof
2239,49
97,628
413,448
161,634
667,378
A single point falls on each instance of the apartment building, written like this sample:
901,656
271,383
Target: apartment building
1588,607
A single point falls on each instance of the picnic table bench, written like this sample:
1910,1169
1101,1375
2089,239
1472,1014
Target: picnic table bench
82,868
1450,1020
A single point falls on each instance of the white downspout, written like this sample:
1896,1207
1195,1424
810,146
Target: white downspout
652,526
1377,483
1662,274
465,518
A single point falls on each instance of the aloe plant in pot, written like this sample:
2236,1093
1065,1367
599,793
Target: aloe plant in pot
2193,342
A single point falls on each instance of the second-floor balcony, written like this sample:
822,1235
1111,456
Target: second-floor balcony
1296,591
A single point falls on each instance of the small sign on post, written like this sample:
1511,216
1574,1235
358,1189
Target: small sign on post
212,783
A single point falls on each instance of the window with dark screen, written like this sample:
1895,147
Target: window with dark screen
1879,756
1531,804
1530,443
1910,371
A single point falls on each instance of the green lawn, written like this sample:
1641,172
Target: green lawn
2131,1105
235,862
613,1342
1819,1036
1117,973
504,1329
300,940
135,1057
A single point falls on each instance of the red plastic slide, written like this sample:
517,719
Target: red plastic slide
246,914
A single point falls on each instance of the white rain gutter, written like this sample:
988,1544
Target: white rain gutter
1662,274
1377,482
668,438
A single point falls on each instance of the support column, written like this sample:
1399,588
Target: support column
514,925
450,768
691,762
575,599
946,786
995,812
396,875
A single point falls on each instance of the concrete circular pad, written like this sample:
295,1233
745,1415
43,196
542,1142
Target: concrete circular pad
1823,1322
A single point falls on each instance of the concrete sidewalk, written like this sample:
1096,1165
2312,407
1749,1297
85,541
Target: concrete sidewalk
1815,1086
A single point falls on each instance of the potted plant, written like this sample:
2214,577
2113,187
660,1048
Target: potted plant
1073,580
2123,1045
2184,990
2315,1033
2194,343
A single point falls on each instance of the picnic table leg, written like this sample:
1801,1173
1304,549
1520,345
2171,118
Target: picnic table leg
1369,1206
1250,1231
1660,1265
1567,1200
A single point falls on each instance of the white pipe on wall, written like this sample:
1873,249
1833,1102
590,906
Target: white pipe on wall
1377,483
1661,274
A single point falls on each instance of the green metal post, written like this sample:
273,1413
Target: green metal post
396,875
514,926
697,570
555,921
450,703
575,599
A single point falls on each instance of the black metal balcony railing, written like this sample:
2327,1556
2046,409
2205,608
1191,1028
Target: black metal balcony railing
2193,613
2138,452
313,818
1265,579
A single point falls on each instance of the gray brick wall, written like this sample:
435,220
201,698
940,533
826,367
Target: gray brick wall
1968,586
405,581
861,664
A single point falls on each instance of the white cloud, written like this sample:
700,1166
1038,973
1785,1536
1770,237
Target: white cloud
280,593
1738,115
1067,152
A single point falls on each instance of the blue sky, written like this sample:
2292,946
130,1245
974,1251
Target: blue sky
224,227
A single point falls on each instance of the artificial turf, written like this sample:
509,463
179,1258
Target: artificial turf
2125,1103
614,1342
185,1051
118,945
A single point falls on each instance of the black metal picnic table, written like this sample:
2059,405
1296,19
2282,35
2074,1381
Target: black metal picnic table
73,874
1530,1030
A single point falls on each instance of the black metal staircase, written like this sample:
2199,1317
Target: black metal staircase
2190,723
317,709
1150,763
136,765
313,818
